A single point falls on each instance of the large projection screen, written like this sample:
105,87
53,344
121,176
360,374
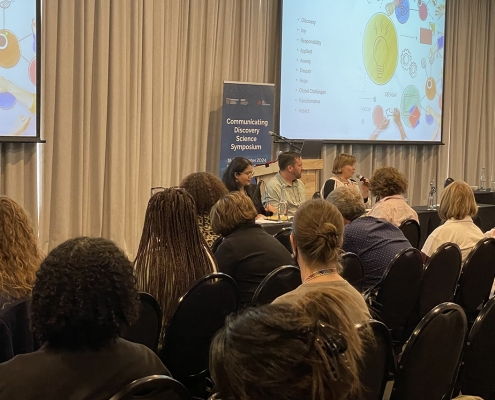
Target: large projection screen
362,70
19,68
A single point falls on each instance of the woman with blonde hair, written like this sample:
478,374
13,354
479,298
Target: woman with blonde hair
343,169
20,257
317,234
309,350
172,252
457,209
247,253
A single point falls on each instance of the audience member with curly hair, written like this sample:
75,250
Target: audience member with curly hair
83,296
172,253
389,185
20,257
317,232
308,350
206,189
248,253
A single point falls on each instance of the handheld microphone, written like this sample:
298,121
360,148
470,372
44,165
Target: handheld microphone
362,179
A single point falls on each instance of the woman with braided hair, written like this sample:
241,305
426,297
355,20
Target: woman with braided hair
172,253
20,257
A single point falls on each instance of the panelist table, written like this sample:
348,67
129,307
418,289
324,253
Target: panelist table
429,219
484,197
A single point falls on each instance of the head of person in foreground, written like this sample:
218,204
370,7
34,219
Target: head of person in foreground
457,201
307,350
317,232
84,295
231,212
20,257
348,202
205,190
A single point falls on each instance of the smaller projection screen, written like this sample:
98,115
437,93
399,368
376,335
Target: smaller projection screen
362,70
19,83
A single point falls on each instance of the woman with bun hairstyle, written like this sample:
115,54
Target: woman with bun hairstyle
317,232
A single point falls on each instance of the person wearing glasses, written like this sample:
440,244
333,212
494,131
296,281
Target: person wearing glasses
237,177
288,179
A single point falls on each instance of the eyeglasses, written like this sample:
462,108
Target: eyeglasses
249,174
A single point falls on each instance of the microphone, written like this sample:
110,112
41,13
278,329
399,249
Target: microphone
362,179
284,139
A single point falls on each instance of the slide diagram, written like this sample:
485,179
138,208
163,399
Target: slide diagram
381,55
18,68
363,70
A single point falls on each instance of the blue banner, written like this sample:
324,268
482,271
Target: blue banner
247,117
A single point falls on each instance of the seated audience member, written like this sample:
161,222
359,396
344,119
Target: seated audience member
343,169
389,185
20,257
307,350
457,207
374,240
83,295
317,232
205,189
237,177
172,253
247,253
289,180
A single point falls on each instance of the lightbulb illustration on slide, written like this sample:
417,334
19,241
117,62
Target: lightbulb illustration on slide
380,53
380,48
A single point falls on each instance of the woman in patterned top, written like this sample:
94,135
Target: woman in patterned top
206,189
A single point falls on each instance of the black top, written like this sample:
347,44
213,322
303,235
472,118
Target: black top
248,255
253,192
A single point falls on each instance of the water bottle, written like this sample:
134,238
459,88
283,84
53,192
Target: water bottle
432,195
282,204
482,179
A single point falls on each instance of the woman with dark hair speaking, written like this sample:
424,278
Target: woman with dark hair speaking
237,177
83,296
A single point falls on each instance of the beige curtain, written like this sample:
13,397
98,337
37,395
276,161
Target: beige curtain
132,93
132,99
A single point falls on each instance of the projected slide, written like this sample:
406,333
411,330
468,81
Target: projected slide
18,68
358,70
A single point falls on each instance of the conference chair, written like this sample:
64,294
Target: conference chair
146,330
477,375
393,299
283,236
476,278
278,282
378,362
154,387
429,362
15,333
200,313
352,270
411,230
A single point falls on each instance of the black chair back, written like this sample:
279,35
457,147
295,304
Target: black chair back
440,278
430,359
476,277
283,236
477,376
16,336
199,315
146,330
278,282
352,270
216,243
411,230
378,362
154,387
394,298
